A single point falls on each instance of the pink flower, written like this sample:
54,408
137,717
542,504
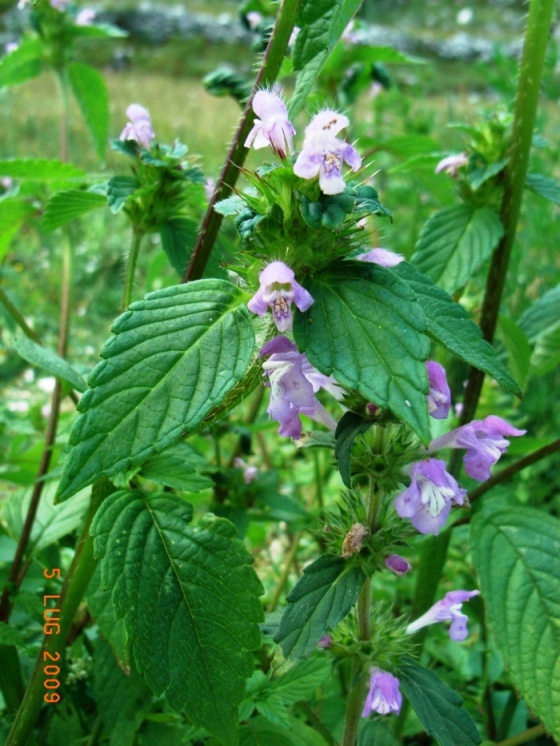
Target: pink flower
439,398
448,609
383,257
278,289
140,126
273,126
451,164
85,17
484,441
397,564
384,695
323,153
427,502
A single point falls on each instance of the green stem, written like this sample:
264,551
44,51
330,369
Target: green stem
285,572
65,113
434,550
355,704
17,316
525,737
75,585
271,64
530,71
137,237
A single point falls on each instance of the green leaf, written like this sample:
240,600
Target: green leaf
438,707
454,243
378,733
48,360
515,552
69,205
178,236
177,467
367,200
22,64
542,316
482,173
546,355
231,206
544,187
348,428
261,732
325,593
119,189
91,93
123,699
193,633
322,23
367,330
518,349
40,169
100,605
13,212
450,326
173,357
52,522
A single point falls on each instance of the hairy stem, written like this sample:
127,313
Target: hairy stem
75,585
137,237
355,704
434,551
525,737
285,572
18,317
15,576
271,64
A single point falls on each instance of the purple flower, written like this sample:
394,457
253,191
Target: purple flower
323,153
293,384
450,164
325,642
427,502
273,126
85,17
439,398
209,188
277,290
484,441
250,473
448,609
254,19
60,5
140,126
383,257
384,695
397,564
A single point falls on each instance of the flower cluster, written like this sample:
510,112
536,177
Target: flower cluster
139,128
322,154
278,289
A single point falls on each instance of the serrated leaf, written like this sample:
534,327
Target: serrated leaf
454,243
48,360
230,206
52,522
515,552
367,330
194,631
542,316
123,699
323,596
301,681
22,64
90,90
100,604
174,357
66,206
546,355
481,174
450,326
376,732
348,428
177,467
260,731
13,212
322,23
367,200
544,187
518,349
438,707
39,169
119,189
178,236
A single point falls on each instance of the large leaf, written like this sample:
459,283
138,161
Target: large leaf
322,23
52,522
173,357
454,242
91,93
39,169
515,552
367,330
47,359
69,205
544,187
190,601
517,347
123,699
178,467
100,604
22,64
325,593
177,238
450,326
438,707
